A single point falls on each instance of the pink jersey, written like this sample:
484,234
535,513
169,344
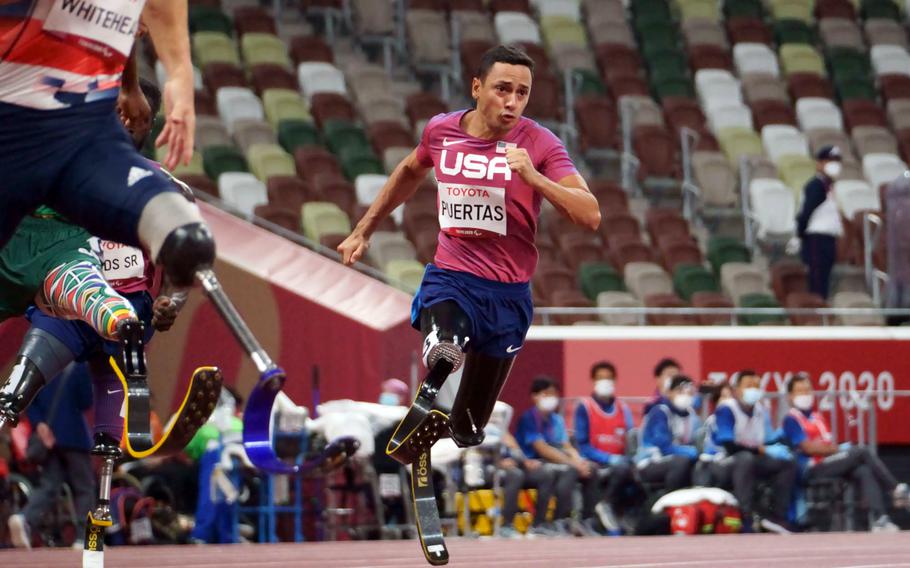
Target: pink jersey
487,213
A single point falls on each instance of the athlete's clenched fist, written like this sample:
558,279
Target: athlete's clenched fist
520,162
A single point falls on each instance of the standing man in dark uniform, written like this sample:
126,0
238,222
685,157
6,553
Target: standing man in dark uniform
818,224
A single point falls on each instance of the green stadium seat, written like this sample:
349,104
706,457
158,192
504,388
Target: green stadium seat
209,19
743,9
358,160
691,278
880,9
793,31
800,58
672,87
722,250
588,82
760,301
294,133
284,104
339,134
848,88
698,9
323,218
559,30
211,47
405,275
844,62
597,277
792,10
737,142
220,159
267,160
195,167
261,48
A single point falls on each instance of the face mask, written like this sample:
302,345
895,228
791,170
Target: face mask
548,403
604,388
751,396
666,384
389,399
683,401
804,401
832,169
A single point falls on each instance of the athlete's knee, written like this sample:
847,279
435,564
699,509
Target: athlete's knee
177,238
186,250
446,328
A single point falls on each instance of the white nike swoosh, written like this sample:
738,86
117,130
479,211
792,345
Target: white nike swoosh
511,349
447,142
112,392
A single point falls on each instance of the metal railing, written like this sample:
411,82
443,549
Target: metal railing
547,314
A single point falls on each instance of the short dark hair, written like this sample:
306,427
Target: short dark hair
152,94
603,365
511,54
663,364
797,378
542,383
680,380
744,373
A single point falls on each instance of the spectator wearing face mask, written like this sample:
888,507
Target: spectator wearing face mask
749,451
664,371
818,225
601,424
667,451
542,435
820,458
394,393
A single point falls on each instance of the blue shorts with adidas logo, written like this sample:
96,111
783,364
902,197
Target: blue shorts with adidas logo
500,312
81,162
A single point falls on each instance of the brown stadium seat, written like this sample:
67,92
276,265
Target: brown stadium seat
611,197
217,75
332,240
546,103
387,224
809,85
711,300
547,252
787,277
419,217
614,59
510,6
200,183
772,112
663,221
748,30
558,225
668,301
762,86
655,147
624,253
310,48
280,215
312,161
835,9
542,63
702,31
253,19
805,300
676,251
619,223
466,5
860,112
272,76
682,112
331,106
597,122
471,53
423,106
894,86
615,241
335,189
389,134
623,84
570,298
550,278
288,191
709,57
578,248
204,103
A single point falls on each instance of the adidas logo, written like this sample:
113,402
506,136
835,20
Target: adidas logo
136,174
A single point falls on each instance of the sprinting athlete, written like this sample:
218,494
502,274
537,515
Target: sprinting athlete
494,168
61,143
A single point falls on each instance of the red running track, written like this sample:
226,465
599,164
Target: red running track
828,550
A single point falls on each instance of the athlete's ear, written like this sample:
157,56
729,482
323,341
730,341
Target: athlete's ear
476,83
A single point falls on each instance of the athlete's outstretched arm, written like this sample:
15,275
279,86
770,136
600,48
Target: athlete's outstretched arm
570,195
401,185
167,23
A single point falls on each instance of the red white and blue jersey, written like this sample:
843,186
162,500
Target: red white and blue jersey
487,213
58,53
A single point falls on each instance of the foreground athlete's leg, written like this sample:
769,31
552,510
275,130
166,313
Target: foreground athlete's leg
41,357
481,382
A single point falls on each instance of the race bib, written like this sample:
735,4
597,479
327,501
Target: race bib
121,262
475,211
104,27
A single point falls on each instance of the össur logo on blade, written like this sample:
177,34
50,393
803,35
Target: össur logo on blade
472,210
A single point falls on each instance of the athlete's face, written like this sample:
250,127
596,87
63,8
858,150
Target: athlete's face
502,95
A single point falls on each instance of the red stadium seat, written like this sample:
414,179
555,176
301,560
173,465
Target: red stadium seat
331,106
272,76
313,161
860,112
310,48
597,122
748,30
770,111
